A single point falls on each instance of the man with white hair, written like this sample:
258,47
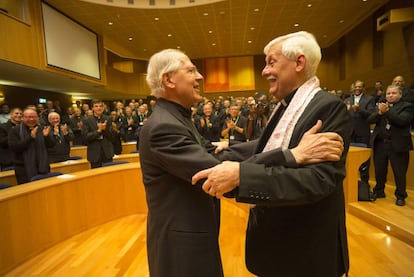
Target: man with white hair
183,221
297,226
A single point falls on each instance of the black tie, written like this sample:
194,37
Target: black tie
267,132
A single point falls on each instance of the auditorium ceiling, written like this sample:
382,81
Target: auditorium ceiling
216,29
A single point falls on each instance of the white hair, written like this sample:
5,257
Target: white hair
165,61
299,43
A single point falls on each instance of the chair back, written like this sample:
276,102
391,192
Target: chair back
114,163
44,176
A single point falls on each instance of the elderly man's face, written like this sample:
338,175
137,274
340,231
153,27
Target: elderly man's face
186,82
393,95
30,118
280,72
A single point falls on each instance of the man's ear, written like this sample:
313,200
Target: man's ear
300,63
167,81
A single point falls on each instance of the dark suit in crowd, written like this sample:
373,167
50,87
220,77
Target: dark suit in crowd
5,151
99,144
361,131
392,143
29,155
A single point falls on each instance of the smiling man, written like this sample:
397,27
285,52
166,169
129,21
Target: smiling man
183,221
297,225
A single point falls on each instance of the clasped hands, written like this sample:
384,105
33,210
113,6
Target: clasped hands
313,148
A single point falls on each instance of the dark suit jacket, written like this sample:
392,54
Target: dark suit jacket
182,231
298,225
5,151
96,142
399,117
360,125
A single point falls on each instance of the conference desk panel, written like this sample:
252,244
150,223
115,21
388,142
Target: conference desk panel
42,213
70,166
127,148
356,156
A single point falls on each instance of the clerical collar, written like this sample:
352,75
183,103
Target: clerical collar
285,101
183,110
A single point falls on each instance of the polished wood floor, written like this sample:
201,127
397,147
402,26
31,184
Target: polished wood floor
118,247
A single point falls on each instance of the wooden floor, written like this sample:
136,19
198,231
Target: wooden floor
118,247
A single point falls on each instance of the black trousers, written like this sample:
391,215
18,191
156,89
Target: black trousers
399,163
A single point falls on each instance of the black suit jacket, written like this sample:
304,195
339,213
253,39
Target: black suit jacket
360,125
298,225
182,231
399,118
97,143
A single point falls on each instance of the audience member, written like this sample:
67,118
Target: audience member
117,134
378,93
63,136
97,133
29,142
208,125
392,142
75,125
235,126
4,113
257,118
297,226
5,151
359,107
129,125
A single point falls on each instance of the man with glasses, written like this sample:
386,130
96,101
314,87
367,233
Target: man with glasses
29,142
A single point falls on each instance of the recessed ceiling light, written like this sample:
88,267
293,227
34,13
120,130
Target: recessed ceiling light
309,5
249,41
130,38
256,10
213,44
210,31
110,23
341,21
252,28
169,35
296,24
178,47
156,18
222,12
205,14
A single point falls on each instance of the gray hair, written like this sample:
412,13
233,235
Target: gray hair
165,61
299,43
397,87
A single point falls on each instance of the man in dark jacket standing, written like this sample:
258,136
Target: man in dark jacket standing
5,151
97,133
28,142
392,142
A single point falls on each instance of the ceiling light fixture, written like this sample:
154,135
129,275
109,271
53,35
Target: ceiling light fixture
252,28
130,38
110,23
169,35
309,5
296,25
156,18
205,14
256,10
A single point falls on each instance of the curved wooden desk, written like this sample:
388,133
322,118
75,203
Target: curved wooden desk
356,156
70,166
127,148
40,214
